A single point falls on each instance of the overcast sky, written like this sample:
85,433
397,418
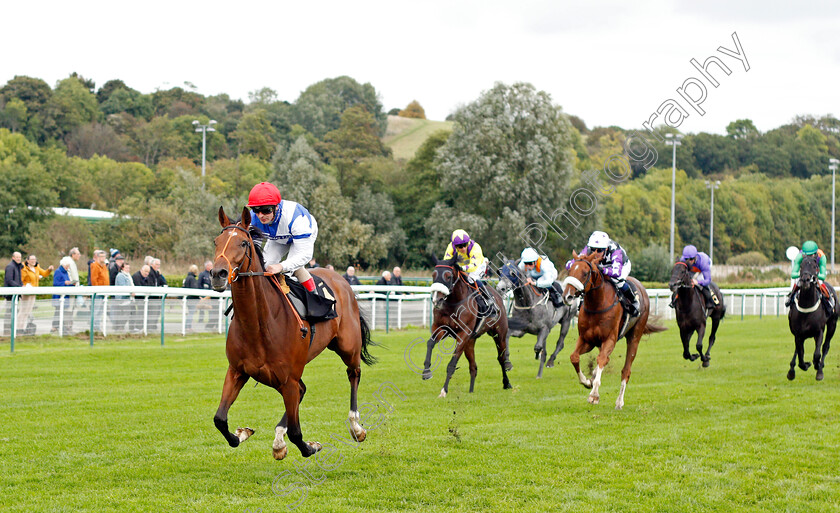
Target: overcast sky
609,62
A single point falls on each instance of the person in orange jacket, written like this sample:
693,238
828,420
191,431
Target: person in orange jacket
30,275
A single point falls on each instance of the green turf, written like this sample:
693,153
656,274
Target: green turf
127,426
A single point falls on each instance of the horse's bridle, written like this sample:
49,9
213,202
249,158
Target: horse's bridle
813,279
457,273
682,284
592,269
234,272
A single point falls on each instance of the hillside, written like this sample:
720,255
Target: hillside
405,135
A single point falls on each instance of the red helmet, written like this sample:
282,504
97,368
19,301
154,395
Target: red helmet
264,193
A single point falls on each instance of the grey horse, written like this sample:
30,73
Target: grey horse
533,312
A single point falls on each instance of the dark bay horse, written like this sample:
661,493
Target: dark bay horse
533,313
807,318
456,316
691,312
600,322
264,341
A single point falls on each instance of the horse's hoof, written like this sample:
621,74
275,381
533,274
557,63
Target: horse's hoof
791,374
805,366
508,366
442,394
549,363
427,374
537,355
243,433
315,446
507,386
593,399
280,453
619,405
705,363
587,384
694,357
819,375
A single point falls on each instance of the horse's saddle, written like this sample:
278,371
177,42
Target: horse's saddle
315,306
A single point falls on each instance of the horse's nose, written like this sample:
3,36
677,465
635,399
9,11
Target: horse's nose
568,298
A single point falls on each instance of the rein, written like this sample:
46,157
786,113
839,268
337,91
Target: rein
593,268
235,273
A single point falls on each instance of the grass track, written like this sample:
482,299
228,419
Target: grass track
127,426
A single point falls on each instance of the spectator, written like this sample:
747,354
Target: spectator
155,279
385,279
62,279
191,282
11,279
75,255
350,276
140,279
78,301
330,267
30,275
114,268
160,281
99,278
99,269
313,264
204,283
124,309
396,279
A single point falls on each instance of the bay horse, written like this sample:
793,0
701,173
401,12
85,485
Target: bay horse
265,339
691,312
456,316
808,319
534,313
600,322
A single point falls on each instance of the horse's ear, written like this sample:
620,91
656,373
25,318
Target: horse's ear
574,255
223,218
246,218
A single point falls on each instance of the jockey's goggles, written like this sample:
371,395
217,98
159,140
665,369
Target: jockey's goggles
598,250
461,246
263,209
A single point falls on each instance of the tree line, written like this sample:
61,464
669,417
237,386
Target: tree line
512,154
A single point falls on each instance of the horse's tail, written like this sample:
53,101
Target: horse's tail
368,358
653,326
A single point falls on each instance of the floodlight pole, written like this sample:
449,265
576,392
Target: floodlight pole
673,140
204,129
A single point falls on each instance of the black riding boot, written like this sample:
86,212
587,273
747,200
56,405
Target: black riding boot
789,299
707,293
630,300
673,302
555,296
483,299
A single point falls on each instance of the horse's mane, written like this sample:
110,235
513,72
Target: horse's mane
451,262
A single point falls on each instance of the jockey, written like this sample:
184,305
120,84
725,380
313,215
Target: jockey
470,259
540,271
808,248
698,262
614,265
290,229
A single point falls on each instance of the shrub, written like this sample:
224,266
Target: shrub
652,264
752,259
413,110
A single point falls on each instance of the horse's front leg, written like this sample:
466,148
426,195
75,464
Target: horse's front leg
685,336
291,391
830,327
603,359
701,332
581,347
541,341
503,356
436,337
565,324
450,369
715,324
800,354
818,354
279,448
792,372
234,381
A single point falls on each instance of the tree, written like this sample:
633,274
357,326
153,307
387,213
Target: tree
96,139
232,179
27,190
72,105
809,152
713,153
319,107
254,135
299,169
742,129
377,210
413,110
130,101
510,148
35,95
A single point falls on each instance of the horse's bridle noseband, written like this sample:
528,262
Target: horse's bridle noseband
682,284
592,268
